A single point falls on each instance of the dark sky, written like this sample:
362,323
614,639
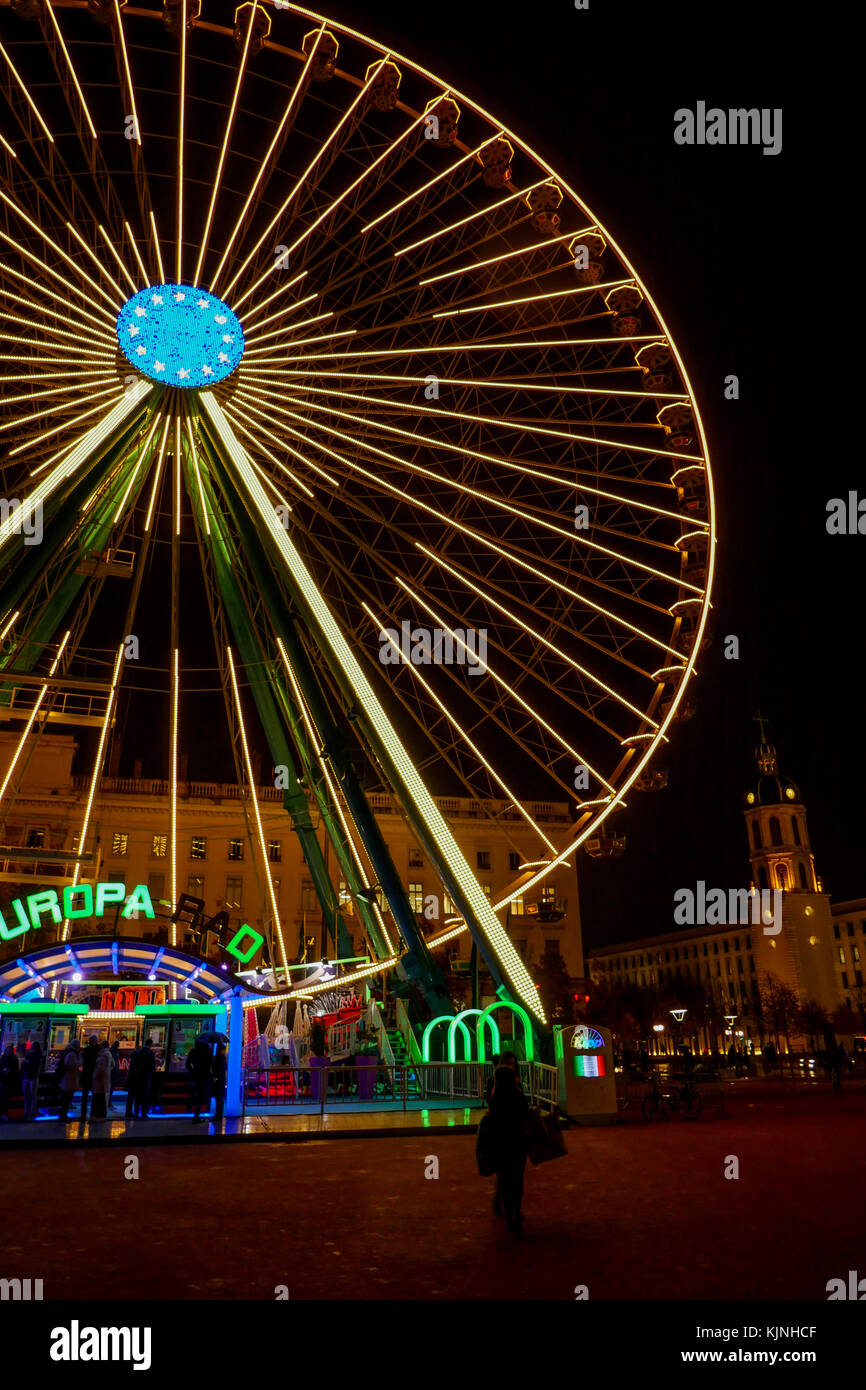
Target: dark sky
723,238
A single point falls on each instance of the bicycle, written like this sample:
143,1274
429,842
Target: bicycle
683,1100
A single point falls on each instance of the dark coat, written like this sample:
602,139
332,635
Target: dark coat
10,1077
88,1062
507,1131
199,1064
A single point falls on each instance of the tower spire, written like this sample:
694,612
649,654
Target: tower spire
765,753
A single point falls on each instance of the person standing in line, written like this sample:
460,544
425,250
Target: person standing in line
115,1070
220,1069
199,1066
509,1119
68,1080
88,1062
30,1078
101,1082
10,1080
131,1075
144,1070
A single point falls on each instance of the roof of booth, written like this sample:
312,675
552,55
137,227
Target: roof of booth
116,956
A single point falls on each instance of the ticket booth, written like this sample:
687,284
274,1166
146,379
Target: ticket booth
42,1021
173,1029
587,1084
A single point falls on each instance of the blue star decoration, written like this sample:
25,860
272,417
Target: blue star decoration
180,336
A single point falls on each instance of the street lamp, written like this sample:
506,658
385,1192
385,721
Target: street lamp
678,1015
658,1028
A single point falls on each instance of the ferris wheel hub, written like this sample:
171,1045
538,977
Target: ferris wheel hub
180,335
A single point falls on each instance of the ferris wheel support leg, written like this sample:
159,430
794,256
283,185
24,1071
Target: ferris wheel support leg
228,566
424,970
503,961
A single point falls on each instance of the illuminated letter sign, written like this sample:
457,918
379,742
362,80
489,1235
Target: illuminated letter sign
78,902
585,1038
245,956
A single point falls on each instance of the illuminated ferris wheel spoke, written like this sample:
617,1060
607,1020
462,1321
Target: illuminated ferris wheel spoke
121,263
237,416
25,92
261,174
229,127
538,636
500,781
509,689
430,184
519,424
72,73
304,183
68,310
577,538
55,246
473,533
483,384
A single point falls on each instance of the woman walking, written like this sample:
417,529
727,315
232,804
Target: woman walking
509,1118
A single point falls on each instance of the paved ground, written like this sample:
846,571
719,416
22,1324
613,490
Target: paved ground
636,1211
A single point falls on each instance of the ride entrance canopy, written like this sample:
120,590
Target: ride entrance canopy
180,336
423,385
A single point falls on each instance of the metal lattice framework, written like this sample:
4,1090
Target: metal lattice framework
459,419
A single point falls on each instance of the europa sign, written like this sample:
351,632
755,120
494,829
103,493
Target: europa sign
82,900
91,900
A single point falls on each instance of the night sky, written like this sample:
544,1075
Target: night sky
712,232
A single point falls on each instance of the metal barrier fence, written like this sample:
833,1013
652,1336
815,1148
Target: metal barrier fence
370,1080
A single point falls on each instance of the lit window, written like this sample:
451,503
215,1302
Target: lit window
234,893
447,905
275,851
198,847
416,897
119,843
159,846
548,893
855,951
485,888
841,955
517,908
236,849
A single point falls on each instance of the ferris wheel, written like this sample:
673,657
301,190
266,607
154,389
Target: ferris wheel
276,297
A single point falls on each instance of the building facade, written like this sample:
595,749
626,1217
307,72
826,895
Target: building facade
800,942
219,857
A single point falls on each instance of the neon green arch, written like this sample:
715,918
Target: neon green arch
471,1013
528,1040
434,1023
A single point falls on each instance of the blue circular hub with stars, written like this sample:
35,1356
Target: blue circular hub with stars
180,335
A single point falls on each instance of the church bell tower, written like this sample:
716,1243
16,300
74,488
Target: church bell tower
801,954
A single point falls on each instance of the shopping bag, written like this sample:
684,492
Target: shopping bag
483,1149
544,1138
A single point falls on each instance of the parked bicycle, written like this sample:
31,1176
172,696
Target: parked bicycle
683,1100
